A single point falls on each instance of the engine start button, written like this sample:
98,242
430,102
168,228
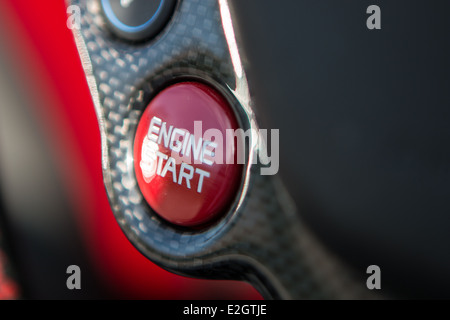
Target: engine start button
185,156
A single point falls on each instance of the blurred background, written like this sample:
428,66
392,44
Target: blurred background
54,209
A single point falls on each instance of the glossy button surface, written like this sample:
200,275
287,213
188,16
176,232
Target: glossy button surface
137,19
184,164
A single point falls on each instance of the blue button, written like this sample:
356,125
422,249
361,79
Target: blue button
137,19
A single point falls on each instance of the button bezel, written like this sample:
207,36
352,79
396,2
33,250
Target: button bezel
231,110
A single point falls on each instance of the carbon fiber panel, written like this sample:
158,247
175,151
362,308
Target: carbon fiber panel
261,239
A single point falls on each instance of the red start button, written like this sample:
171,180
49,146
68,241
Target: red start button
184,163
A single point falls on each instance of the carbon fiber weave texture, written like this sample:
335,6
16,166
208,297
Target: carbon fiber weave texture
263,240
